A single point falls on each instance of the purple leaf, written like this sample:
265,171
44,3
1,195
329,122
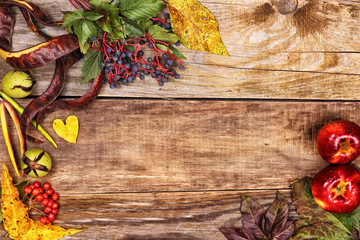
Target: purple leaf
283,232
237,234
276,215
251,214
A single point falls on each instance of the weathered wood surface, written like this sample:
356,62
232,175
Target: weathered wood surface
176,215
158,145
312,53
175,169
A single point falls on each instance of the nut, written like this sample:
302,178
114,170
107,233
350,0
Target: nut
17,84
36,163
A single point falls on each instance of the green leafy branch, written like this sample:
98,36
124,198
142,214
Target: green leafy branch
122,19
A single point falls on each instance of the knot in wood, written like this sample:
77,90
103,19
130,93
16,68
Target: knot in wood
286,6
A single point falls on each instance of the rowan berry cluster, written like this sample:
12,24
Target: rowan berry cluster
48,199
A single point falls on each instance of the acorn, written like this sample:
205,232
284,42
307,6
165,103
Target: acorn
36,163
17,84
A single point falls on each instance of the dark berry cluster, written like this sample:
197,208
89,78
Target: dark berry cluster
163,22
48,199
124,61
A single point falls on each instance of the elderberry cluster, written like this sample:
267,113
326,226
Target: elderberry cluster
163,22
123,65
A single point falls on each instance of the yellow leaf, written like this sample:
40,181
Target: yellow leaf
70,131
15,212
39,231
16,218
196,26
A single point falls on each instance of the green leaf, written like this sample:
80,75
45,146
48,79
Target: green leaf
140,9
79,33
172,50
176,52
314,221
92,65
147,24
162,34
89,28
97,3
162,47
104,25
92,16
132,29
130,48
20,186
111,22
73,18
84,47
321,231
350,220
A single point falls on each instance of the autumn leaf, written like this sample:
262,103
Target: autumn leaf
68,131
40,231
16,219
15,213
196,26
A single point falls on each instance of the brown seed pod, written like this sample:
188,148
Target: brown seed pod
76,104
7,21
41,54
36,12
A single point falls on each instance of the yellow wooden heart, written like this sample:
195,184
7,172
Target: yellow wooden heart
70,131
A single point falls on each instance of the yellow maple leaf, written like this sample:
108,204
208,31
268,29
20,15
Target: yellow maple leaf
196,26
16,219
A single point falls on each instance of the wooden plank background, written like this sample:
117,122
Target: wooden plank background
171,162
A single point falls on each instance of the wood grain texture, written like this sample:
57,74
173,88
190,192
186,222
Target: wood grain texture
158,145
135,216
311,53
145,168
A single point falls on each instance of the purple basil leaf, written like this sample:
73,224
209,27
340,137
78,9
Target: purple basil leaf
251,214
237,234
276,215
283,232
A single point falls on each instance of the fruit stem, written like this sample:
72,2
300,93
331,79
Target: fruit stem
20,109
6,136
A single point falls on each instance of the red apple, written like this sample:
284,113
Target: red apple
336,188
339,142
